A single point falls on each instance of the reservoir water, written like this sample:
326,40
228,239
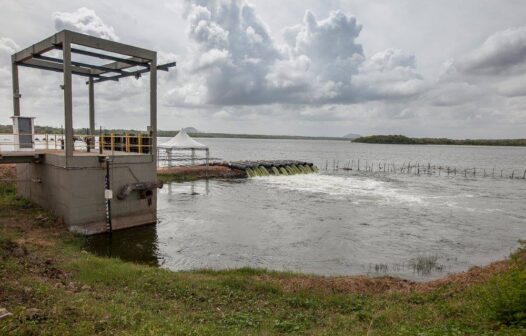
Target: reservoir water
417,227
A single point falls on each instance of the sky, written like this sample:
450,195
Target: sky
301,67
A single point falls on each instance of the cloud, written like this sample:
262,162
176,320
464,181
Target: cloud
84,20
7,48
235,61
454,94
388,74
501,53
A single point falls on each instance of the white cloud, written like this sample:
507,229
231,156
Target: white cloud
84,20
236,58
234,71
501,53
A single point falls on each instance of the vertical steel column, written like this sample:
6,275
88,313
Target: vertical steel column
153,107
68,99
16,89
91,107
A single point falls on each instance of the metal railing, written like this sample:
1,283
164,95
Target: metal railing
139,143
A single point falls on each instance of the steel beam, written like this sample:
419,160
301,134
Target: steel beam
40,47
101,69
130,62
91,109
163,67
45,65
153,107
107,45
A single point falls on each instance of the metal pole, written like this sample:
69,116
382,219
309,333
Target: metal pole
16,89
92,112
207,157
153,106
108,196
68,100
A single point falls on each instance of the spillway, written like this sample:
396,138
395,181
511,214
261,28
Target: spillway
274,167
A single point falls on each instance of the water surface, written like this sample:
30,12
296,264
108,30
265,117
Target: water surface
341,223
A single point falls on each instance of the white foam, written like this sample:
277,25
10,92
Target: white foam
340,186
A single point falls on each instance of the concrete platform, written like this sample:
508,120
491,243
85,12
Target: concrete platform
73,188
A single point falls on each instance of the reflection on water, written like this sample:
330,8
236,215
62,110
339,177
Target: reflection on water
138,244
192,188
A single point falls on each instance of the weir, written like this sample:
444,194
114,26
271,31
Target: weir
273,167
78,183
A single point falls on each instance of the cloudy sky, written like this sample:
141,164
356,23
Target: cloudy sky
416,67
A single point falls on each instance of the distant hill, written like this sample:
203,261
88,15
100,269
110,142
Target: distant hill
351,136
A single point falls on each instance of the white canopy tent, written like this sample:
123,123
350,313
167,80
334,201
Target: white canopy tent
182,142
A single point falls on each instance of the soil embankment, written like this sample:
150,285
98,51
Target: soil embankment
191,173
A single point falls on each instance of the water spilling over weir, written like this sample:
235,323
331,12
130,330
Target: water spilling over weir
274,167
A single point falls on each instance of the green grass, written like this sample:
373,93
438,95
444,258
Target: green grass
77,293
166,178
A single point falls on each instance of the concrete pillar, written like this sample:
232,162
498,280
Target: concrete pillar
16,89
68,99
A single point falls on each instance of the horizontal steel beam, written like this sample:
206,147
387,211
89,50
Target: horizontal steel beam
163,67
107,45
119,65
130,61
101,69
45,65
40,47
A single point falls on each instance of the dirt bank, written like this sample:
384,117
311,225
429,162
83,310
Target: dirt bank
198,172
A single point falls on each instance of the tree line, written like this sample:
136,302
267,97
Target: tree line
404,140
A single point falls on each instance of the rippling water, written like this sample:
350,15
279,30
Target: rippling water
338,223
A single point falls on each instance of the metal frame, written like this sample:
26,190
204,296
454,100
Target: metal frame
33,57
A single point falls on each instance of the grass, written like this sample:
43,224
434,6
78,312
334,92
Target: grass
167,178
53,287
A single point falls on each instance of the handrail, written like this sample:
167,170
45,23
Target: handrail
128,142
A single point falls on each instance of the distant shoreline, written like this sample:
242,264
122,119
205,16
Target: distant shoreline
372,139
403,140
7,129
259,136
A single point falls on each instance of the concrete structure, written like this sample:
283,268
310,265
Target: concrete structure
71,182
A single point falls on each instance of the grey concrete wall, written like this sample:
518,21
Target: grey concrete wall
76,194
